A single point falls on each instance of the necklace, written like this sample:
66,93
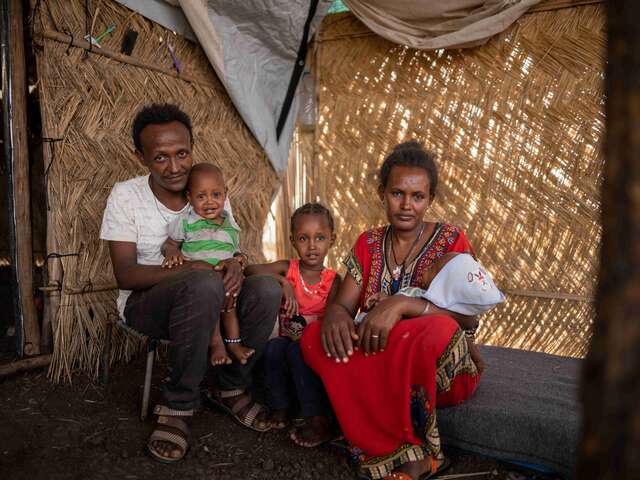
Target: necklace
398,271
308,288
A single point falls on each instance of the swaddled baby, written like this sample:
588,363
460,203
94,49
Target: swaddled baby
454,282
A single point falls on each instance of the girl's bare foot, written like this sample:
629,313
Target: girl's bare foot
313,432
218,352
277,419
240,352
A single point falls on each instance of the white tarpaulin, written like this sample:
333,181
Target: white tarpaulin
253,46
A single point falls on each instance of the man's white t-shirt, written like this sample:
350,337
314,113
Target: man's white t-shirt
134,214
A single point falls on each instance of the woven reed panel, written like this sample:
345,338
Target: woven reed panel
517,126
89,101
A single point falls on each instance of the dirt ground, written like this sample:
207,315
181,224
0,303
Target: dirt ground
91,431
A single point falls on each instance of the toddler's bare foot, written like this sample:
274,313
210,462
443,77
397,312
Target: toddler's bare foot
240,352
219,353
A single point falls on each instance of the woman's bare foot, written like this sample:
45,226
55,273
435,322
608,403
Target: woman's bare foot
240,352
218,352
419,468
313,432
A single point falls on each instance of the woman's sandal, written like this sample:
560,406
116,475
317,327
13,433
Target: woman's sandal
171,428
216,400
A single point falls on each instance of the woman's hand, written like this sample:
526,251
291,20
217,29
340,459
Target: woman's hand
232,276
374,330
474,351
373,300
338,333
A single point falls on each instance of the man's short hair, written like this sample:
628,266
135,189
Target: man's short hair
158,113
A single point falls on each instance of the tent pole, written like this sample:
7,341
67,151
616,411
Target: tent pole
611,372
14,101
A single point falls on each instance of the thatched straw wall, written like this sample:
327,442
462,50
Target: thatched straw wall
517,126
89,101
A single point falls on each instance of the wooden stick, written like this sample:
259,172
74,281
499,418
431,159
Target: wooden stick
20,179
105,52
24,364
551,295
462,475
611,370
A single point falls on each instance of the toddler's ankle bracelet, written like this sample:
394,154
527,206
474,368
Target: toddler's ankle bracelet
232,340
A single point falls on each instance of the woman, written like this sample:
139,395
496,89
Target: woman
385,376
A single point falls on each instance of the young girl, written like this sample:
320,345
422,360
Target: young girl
307,289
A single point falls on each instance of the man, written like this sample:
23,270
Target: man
181,304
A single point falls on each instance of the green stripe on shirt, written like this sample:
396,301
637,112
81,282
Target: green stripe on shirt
204,224
203,245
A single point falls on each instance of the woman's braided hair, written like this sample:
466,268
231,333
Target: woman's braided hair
410,154
312,209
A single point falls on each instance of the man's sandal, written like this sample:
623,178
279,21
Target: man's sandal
171,428
216,400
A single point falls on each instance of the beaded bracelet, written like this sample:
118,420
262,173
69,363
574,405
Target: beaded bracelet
232,340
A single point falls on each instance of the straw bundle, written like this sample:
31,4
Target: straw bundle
516,125
89,101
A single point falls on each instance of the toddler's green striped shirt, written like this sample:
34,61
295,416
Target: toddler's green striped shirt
205,240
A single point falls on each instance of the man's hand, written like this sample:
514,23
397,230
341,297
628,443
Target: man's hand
231,276
229,303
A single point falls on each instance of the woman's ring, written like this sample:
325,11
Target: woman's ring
375,336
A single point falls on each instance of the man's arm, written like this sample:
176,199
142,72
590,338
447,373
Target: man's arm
132,276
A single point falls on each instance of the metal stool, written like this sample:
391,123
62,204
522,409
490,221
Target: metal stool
152,345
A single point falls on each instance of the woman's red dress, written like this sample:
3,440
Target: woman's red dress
385,403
